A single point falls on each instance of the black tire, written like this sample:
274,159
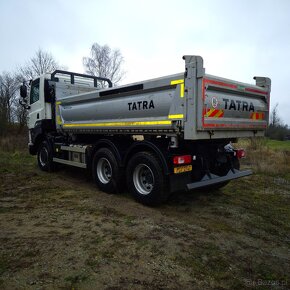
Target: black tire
146,180
45,157
107,172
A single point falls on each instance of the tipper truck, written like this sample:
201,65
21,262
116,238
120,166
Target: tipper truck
156,137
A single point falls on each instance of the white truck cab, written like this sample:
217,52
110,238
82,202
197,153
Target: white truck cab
40,101
40,108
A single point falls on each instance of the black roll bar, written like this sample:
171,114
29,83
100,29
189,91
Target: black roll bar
73,75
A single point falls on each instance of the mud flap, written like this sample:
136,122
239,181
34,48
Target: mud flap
210,179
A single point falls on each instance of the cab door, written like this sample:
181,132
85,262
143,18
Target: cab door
37,105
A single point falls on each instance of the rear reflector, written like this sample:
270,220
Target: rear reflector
240,153
184,159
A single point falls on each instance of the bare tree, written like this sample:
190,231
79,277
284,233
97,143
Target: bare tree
104,62
277,129
275,120
8,94
42,62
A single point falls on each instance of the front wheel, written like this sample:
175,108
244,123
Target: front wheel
145,179
45,157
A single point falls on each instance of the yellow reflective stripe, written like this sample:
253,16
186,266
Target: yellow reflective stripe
182,90
177,82
181,83
176,116
118,124
58,120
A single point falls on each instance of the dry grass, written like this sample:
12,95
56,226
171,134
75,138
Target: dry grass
13,143
59,232
265,159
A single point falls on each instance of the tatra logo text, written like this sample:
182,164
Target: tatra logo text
238,105
141,105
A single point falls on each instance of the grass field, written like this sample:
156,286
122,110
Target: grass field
59,232
278,145
266,144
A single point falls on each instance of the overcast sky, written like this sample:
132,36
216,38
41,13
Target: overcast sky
237,39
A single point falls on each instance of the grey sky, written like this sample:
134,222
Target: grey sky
237,39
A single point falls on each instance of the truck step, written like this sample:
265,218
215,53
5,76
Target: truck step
68,162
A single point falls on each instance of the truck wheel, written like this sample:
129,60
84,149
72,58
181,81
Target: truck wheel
44,157
106,171
145,179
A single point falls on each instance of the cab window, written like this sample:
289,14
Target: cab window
34,91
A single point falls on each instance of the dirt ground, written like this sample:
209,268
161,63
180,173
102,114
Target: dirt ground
57,231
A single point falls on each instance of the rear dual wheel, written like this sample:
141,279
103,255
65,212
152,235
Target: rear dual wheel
145,179
144,173
107,172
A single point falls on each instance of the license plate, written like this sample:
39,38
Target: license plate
182,169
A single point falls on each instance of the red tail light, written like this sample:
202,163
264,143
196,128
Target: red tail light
184,159
240,153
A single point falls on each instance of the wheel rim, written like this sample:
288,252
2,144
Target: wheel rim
43,156
143,179
104,170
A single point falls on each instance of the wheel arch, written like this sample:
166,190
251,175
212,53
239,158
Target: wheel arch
149,147
39,133
39,138
104,143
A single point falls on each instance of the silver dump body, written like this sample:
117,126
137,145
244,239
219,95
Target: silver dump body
193,105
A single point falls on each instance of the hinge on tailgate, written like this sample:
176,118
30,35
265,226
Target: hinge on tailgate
194,61
263,82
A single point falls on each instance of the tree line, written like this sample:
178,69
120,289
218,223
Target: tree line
102,61
277,130
10,109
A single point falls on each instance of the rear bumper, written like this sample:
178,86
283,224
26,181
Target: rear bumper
210,179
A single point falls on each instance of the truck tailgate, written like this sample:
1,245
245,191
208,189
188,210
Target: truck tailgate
228,105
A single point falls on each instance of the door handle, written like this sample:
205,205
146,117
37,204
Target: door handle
37,116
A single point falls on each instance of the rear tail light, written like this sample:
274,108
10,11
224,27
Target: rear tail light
240,153
184,159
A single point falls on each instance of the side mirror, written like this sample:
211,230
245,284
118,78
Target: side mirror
23,91
23,94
